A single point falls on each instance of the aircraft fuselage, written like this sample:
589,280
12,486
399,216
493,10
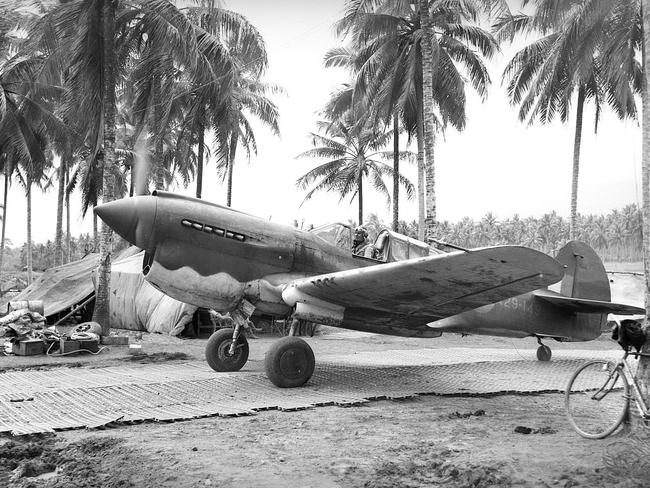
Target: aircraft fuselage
213,256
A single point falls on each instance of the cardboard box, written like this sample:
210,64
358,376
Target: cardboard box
29,347
89,345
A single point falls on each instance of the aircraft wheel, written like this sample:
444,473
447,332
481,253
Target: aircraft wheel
290,362
217,351
544,353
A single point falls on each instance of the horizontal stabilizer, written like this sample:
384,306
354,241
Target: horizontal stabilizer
588,306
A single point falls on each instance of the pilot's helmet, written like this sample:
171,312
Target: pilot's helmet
361,232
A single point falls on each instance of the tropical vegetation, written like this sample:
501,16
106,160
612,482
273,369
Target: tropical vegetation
409,63
112,98
586,53
82,105
616,236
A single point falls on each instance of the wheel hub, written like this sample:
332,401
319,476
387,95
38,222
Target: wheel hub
293,363
224,352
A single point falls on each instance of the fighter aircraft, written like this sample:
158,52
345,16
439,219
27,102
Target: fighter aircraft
216,257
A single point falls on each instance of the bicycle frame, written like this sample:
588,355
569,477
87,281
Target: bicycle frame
588,418
624,366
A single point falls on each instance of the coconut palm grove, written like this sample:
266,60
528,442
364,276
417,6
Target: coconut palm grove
102,99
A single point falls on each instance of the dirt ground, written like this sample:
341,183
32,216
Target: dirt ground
454,441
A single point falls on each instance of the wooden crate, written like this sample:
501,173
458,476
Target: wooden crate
30,347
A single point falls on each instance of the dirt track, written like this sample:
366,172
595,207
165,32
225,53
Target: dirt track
426,441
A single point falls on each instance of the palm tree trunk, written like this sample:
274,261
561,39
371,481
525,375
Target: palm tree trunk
101,313
158,135
68,248
643,371
420,141
4,221
430,187
96,244
58,238
199,162
428,65
360,198
576,164
395,171
131,182
231,162
30,270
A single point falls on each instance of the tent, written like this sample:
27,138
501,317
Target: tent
134,303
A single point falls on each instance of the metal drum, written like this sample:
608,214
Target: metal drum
31,305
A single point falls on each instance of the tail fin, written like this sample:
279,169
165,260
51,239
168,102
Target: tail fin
585,275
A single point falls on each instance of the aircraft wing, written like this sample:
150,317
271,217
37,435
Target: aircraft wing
389,297
588,306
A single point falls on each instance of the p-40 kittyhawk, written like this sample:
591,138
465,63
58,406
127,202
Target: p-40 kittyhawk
216,257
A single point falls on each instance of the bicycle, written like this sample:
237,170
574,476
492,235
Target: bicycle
597,397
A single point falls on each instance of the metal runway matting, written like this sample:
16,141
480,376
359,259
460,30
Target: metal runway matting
70,398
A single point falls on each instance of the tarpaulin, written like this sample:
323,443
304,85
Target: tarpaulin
62,287
135,304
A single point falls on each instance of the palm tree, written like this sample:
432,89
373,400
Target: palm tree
23,129
353,152
204,100
6,171
30,173
389,38
574,54
87,31
233,128
643,372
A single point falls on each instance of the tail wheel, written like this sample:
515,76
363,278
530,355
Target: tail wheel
217,351
544,353
596,399
290,362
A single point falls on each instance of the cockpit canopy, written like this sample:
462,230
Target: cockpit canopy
338,233
390,246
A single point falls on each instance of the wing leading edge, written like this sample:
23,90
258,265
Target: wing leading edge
401,298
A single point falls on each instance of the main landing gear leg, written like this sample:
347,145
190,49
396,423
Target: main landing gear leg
543,351
290,361
227,349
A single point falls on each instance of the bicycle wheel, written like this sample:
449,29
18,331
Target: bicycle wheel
596,399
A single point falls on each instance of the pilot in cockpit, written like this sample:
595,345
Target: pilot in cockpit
361,246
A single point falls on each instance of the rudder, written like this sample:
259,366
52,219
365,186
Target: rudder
585,275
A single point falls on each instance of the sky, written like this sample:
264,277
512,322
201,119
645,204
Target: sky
497,164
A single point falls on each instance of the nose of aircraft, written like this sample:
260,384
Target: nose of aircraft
132,218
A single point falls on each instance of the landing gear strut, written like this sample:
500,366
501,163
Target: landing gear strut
290,361
543,351
227,349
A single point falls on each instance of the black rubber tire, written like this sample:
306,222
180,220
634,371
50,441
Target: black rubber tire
544,353
290,362
216,351
596,399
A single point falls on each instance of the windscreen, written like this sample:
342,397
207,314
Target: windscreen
337,234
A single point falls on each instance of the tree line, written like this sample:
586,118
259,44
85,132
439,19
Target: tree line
616,236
